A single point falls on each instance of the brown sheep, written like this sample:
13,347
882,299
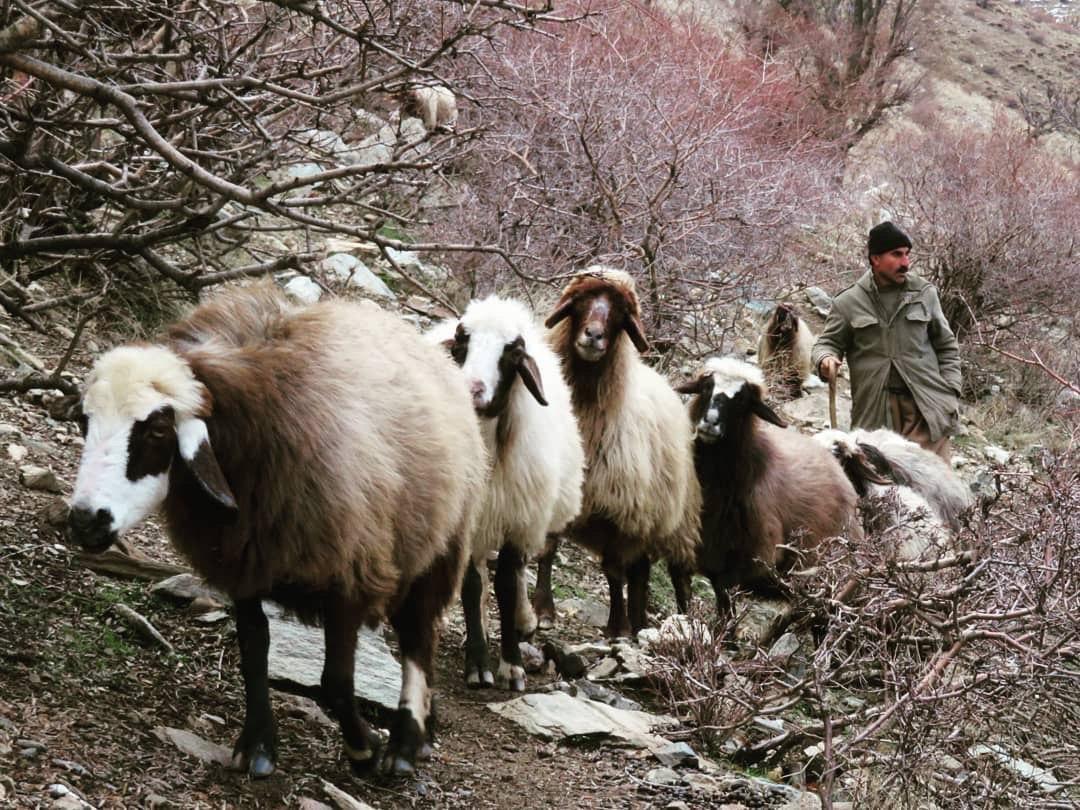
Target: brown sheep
767,493
295,463
640,498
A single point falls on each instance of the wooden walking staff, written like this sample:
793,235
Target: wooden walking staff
832,401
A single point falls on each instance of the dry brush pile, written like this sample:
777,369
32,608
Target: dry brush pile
947,682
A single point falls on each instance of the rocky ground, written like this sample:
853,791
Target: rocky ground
88,700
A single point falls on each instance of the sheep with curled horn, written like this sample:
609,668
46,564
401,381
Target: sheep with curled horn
769,495
893,513
641,500
296,462
528,425
784,351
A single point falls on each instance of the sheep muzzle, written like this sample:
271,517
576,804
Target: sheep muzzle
91,529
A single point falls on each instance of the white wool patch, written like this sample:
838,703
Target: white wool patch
615,276
415,696
191,434
730,374
134,381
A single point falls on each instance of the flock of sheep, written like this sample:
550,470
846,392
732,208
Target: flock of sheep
332,459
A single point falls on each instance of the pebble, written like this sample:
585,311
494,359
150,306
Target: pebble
39,478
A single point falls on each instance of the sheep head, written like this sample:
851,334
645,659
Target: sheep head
602,303
863,464
141,411
490,345
782,326
726,392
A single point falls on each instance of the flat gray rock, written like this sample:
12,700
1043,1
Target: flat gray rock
296,657
194,745
584,610
186,588
558,716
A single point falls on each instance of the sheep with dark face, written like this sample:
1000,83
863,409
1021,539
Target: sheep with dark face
528,426
907,464
295,463
895,514
641,500
784,351
768,494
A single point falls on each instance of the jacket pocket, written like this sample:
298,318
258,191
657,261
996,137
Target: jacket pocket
865,332
915,330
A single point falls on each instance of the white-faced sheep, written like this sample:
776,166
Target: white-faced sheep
435,105
528,426
909,465
896,515
784,351
298,463
641,500
767,493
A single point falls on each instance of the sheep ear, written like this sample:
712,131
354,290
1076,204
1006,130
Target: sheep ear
693,386
530,375
637,333
562,310
767,413
198,455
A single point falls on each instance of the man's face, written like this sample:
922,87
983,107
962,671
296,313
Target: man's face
891,268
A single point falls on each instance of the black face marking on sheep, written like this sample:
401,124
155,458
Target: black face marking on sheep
151,444
716,411
491,394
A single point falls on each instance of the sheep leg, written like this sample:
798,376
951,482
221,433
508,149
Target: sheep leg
681,582
724,607
256,750
341,622
416,622
638,593
477,672
511,565
618,625
543,602
524,615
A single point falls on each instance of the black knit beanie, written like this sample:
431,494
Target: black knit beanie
886,237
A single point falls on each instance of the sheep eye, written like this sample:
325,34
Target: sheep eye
460,347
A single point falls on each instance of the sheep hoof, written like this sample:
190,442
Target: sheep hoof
424,752
362,761
398,766
545,622
258,762
511,676
476,679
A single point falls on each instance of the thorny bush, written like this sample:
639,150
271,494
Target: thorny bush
948,682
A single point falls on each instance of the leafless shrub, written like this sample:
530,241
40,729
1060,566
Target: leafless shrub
845,52
930,682
644,142
147,146
991,212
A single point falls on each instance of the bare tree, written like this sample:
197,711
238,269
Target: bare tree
643,142
844,51
194,142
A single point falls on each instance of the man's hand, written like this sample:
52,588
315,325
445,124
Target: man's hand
828,367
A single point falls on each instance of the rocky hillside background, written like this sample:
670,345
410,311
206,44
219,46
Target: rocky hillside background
729,155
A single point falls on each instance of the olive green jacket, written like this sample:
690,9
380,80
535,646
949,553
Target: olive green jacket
917,339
